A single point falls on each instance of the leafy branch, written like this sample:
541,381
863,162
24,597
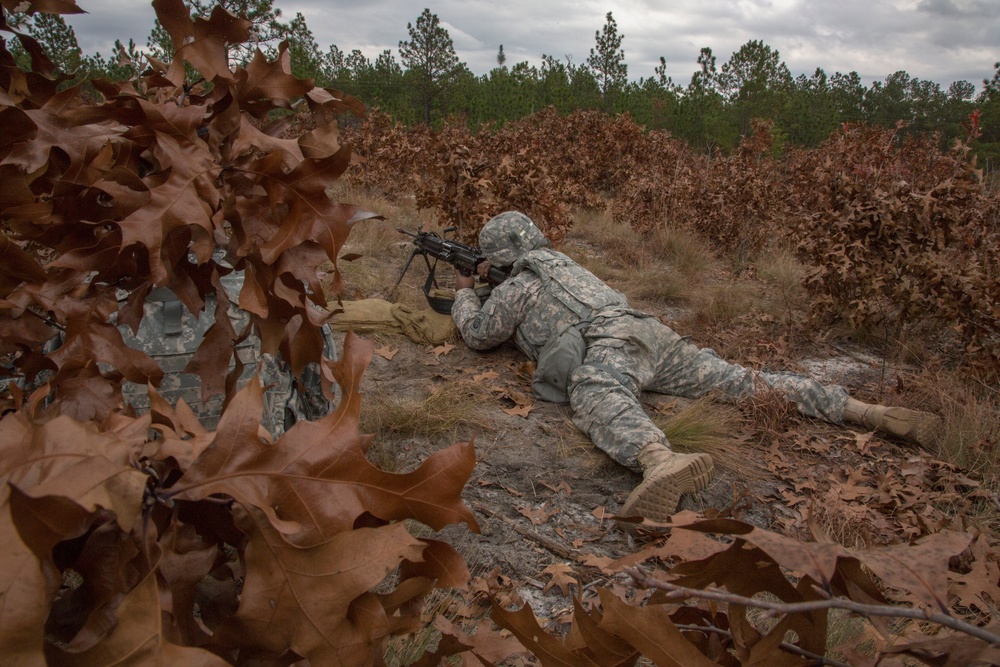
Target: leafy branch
675,592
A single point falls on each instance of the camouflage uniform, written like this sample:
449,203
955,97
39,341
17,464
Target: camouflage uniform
627,352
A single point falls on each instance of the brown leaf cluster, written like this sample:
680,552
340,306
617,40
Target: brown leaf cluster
123,547
466,177
897,232
615,626
165,182
736,202
151,540
893,229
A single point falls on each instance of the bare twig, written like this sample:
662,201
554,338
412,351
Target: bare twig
552,545
644,580
785,646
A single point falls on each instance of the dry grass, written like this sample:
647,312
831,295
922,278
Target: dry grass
660,285
710,427
683,250
767,409
785,297
971,413
704,425
723,303
661,266
598,229
439,416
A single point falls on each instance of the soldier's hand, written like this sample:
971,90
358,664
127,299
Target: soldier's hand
483,269
462,282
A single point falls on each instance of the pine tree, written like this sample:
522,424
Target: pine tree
303,51
57,38
607,62
429,59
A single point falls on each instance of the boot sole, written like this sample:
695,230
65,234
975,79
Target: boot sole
658,495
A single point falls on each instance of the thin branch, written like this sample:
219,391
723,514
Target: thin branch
785,646
563,551
674,591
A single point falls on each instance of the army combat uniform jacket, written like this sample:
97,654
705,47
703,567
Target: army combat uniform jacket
627,352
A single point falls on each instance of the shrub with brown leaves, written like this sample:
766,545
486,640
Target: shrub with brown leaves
897,230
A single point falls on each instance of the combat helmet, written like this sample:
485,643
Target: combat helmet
508,237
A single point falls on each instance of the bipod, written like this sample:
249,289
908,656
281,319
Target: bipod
438,304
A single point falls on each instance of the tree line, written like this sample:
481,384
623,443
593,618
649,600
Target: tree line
428,83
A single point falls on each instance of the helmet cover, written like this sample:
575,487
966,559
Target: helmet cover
508,237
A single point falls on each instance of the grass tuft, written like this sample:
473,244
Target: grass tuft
708,426
442,414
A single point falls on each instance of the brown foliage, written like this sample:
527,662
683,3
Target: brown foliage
245,547
137,191
734,202
139,539
898,231
467,178
134,540
741,566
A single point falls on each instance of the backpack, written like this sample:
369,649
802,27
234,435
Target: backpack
171,335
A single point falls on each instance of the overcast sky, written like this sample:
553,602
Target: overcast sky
939,40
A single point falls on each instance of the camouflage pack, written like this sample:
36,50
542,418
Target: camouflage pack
170,334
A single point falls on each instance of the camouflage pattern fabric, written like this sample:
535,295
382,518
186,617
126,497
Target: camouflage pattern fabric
547,293
506,237
627,352
171,339
627,355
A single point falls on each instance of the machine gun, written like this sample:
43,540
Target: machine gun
463,257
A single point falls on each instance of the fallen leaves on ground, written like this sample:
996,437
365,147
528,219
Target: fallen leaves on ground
387,352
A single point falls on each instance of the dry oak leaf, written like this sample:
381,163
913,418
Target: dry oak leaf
443,349
520,398
650,630
484,376
519,410
538,515
980,587
315,480
316,601
561,487
140,639
47,6
201,42
88,336
606,648
550,650
269,82
562,576
487,644
920,568
312,215
387,352
53,476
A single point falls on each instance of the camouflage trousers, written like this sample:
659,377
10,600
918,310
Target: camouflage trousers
627,355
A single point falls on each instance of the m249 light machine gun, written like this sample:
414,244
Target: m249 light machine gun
463,257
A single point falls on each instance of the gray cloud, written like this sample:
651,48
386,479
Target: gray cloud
939,40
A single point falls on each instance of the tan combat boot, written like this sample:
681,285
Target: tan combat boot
665,476
922,428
